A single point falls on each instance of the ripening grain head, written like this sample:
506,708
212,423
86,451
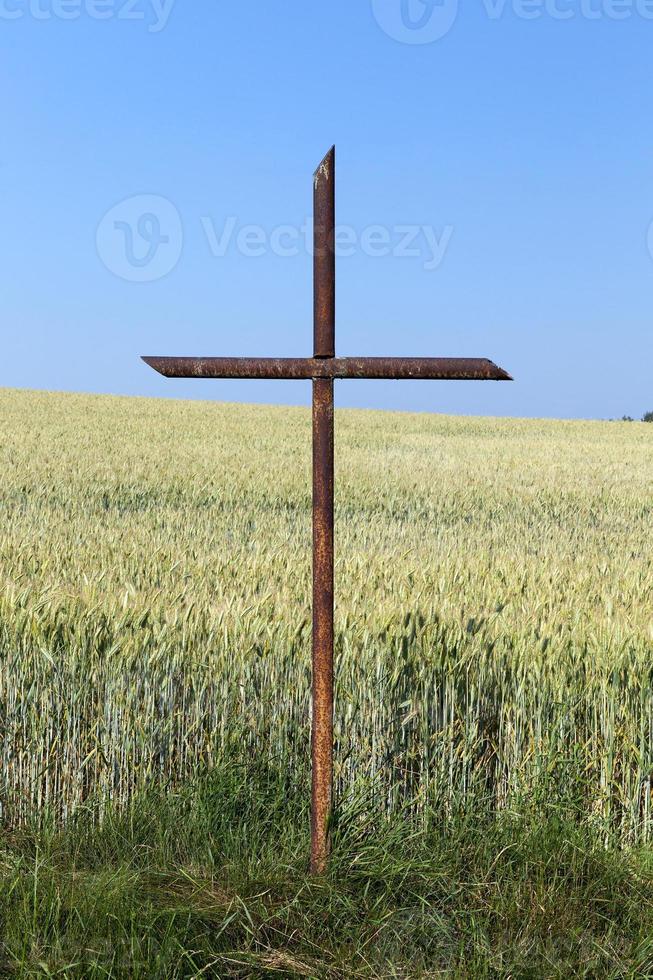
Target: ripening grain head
494,613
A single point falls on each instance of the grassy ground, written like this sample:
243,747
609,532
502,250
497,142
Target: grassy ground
495,712
211,881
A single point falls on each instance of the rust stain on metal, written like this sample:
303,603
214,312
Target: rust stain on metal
307,368
324,257
324,348
322,684
323,368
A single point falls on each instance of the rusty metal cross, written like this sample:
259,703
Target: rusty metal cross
322,369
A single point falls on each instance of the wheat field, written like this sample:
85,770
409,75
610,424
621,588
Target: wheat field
494,611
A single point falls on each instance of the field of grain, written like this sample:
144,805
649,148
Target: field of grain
494,607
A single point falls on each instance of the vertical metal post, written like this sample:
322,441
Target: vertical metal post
324,257
322,687
323,480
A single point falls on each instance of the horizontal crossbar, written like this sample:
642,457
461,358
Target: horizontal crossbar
305,368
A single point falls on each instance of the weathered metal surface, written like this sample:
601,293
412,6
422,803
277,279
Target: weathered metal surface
324,340
305,368
322,685
323,368
324,257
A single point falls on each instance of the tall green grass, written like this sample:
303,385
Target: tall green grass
211,880
494,613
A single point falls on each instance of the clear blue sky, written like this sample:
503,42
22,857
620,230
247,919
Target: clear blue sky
521,139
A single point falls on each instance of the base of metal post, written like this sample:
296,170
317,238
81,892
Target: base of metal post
322,720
